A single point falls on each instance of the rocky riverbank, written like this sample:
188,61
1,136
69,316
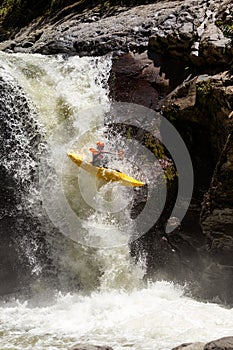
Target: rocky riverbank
225,343
218,344
187,30
174,57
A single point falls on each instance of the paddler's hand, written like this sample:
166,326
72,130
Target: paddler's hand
121,154
93,151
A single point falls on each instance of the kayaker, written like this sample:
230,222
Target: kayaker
99,155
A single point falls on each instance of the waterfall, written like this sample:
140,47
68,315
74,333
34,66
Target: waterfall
55,104
64,237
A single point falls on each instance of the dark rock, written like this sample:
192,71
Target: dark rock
209,109
217,225
190,346
184,96
133,79
217,218
200,108
90,347
216,283
225,343
27,44
180,30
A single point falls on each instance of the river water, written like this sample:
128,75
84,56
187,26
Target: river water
156,317
70,97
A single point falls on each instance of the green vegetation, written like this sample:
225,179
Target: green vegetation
155,147
228,30
15,14
226,27
204,88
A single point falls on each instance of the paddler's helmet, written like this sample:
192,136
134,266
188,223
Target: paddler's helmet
99,144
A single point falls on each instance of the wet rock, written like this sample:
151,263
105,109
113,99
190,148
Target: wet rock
133,79
90,347
190,346
217,225
217,218
184,30
216,283
201,109
206,111
182,97
225,343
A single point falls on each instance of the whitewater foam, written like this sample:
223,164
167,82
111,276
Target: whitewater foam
156,317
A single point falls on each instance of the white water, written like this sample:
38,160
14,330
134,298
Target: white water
157,317
122,312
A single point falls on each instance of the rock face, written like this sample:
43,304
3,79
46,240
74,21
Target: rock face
179,29
194,29
217,224
217,215
225,343
203,117
133,78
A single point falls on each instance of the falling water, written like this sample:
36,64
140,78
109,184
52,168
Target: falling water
67,99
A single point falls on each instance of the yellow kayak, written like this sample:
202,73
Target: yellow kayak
104,173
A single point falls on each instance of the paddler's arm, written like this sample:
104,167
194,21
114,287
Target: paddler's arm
119,153
93,151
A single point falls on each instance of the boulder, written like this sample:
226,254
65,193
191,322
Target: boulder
225,343
134,78
190,346
90,347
